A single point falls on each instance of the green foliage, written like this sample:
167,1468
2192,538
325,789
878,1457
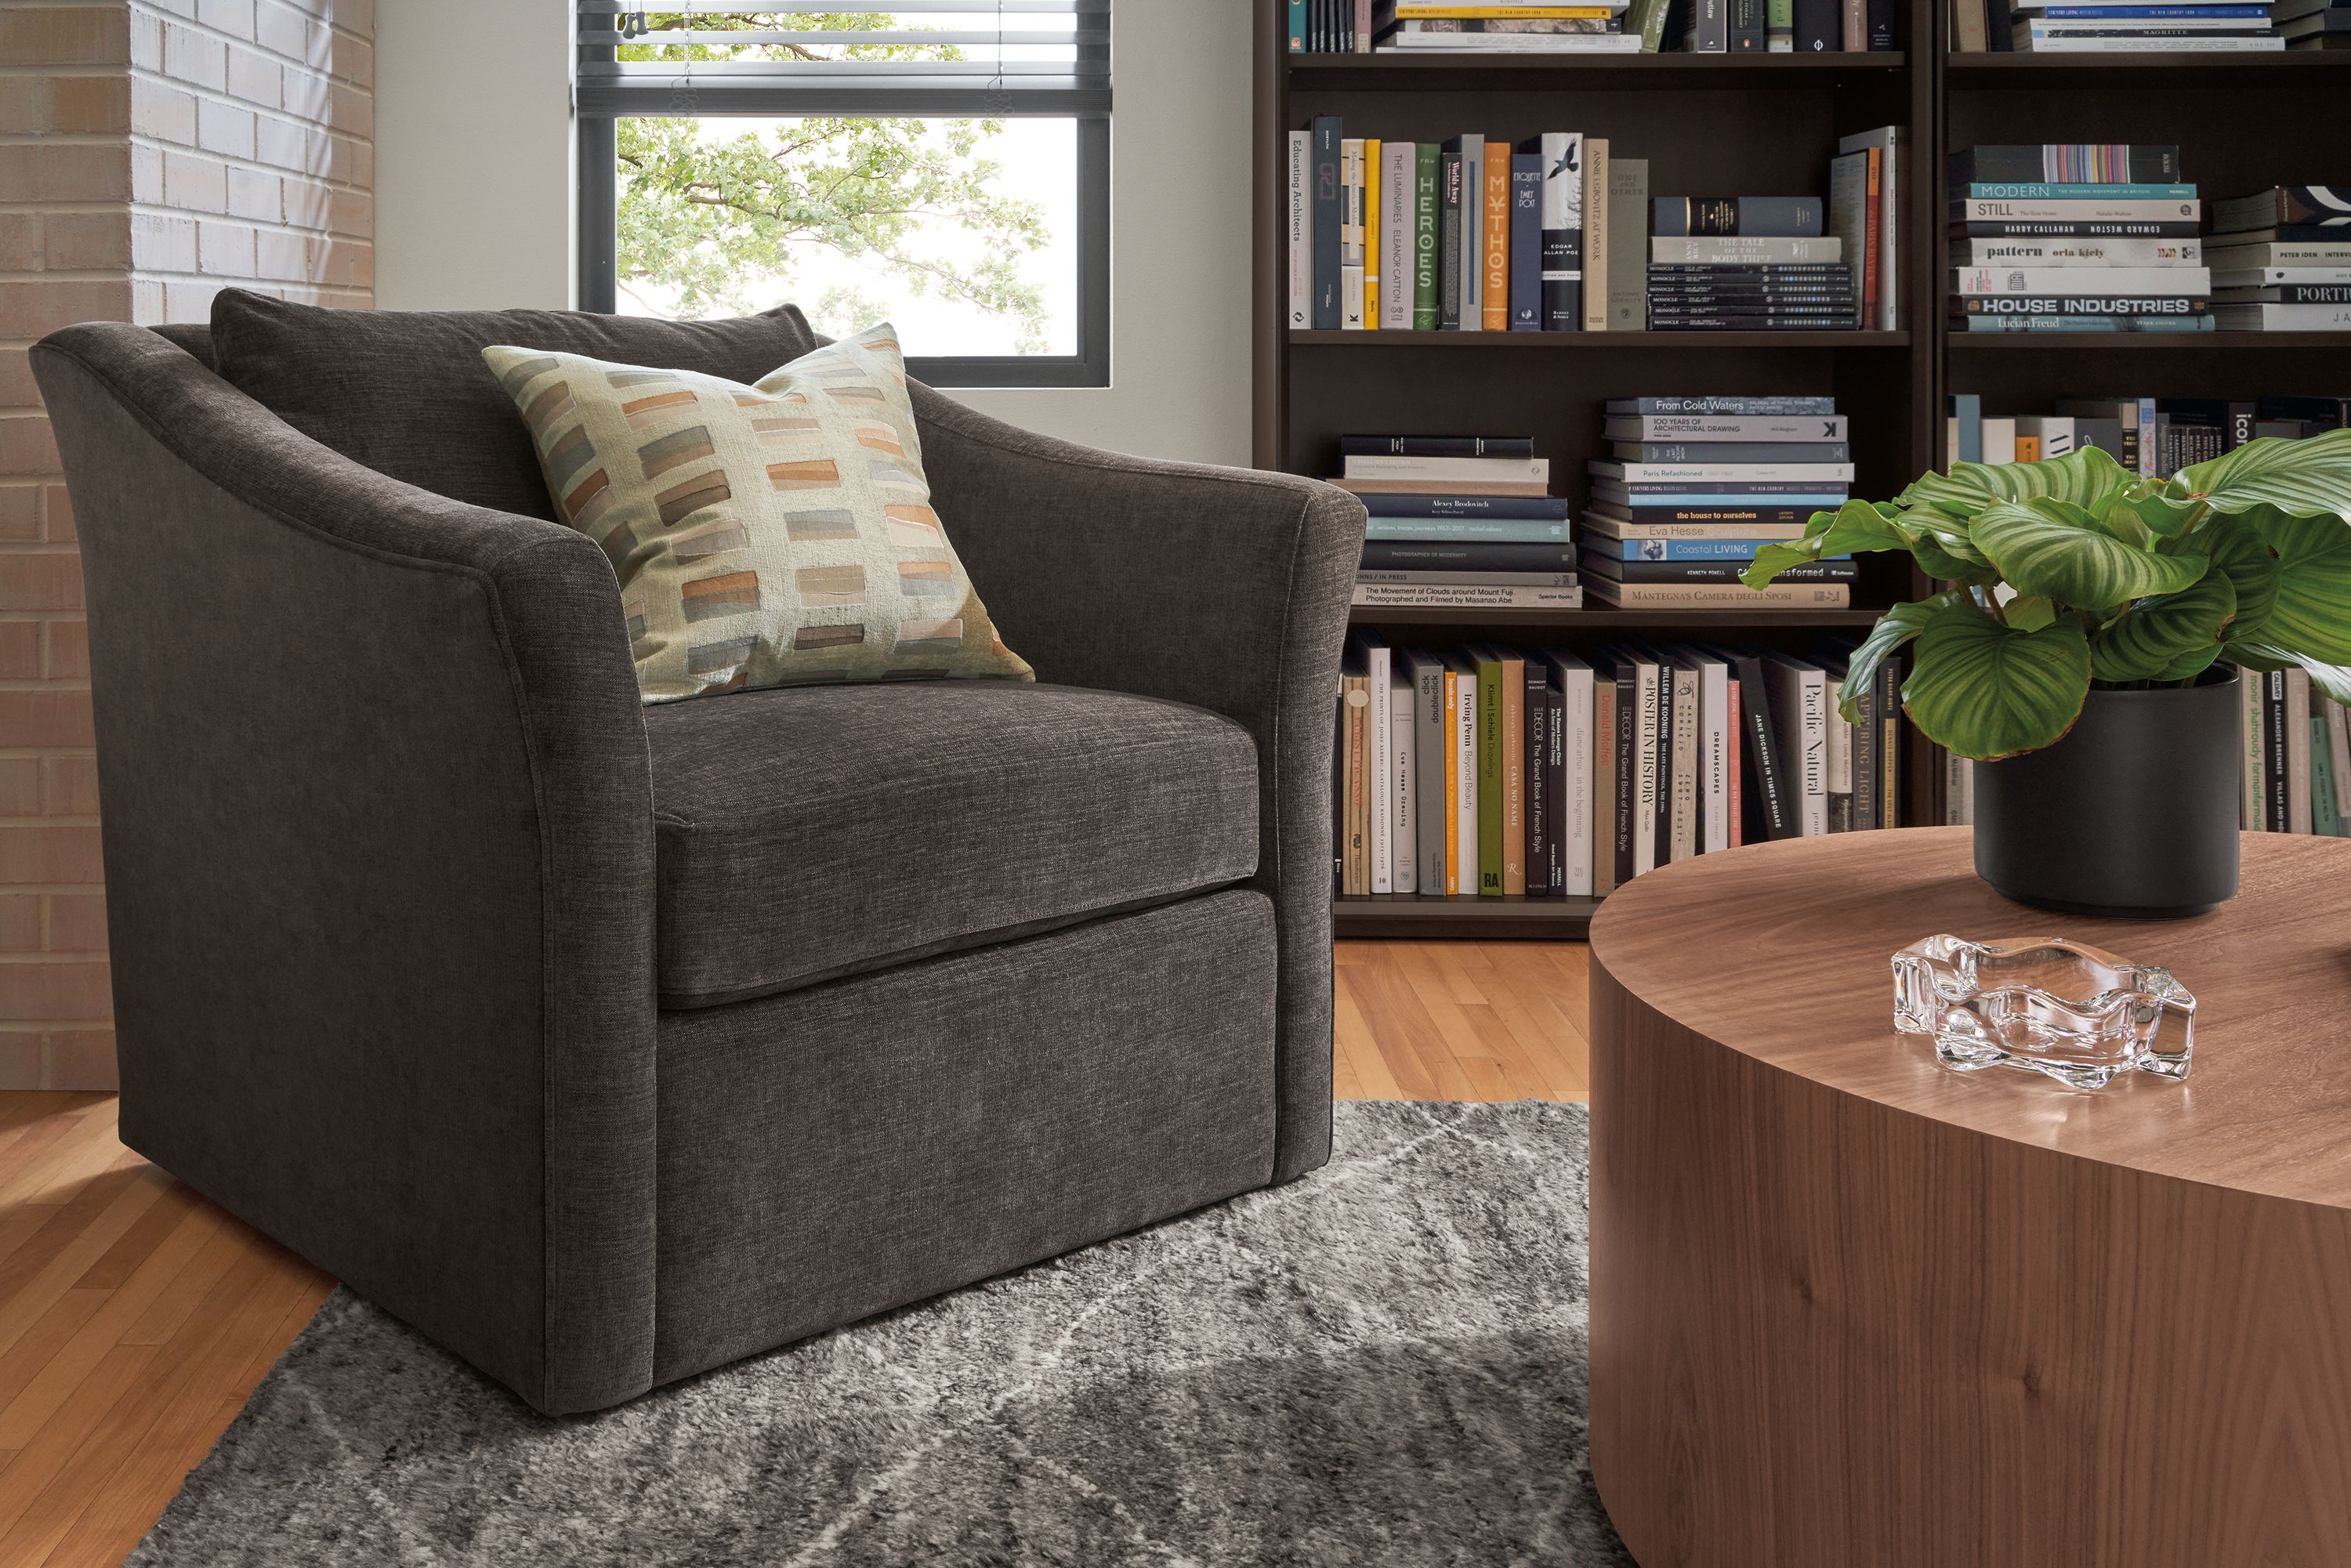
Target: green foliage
2075,572
713,215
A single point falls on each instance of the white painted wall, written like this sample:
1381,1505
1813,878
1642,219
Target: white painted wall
474,190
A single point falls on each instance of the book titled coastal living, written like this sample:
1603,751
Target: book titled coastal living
1324,129
1561,153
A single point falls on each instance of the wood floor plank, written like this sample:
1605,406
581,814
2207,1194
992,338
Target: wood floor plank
33,1352
47,1273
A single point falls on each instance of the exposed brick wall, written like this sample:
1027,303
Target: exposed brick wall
152,153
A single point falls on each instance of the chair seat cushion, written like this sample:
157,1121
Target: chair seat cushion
811,832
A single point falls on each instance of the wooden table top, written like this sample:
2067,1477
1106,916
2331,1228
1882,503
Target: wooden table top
1783,951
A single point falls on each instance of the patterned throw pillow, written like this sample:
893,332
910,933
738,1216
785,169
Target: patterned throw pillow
768,536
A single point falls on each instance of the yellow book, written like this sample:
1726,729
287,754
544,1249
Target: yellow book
1452,783
1494,303
1371,232
2028,449
1409,12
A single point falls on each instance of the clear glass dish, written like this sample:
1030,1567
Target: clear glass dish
2043,1004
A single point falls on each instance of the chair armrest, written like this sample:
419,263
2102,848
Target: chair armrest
1224,587
378,835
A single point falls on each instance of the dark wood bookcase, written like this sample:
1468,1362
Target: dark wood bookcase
1722,125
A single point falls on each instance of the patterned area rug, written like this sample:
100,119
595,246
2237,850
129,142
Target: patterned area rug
1382,1364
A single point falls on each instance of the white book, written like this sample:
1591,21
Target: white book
1724,427
1350,234
2128,26
2027,43
1392,465
1461,875
1398,208
2297,750
2282,317
2268,276
2075,250
1999,439
2076,280
2057,434
1849,210
1574,826
1799,711
1473,233
2339,748
1959,780
1719,472
1424,595
1404,792
1302,229
2075,209
1714,782
1745,250
1683,788
1649,715
2227,253
1381,807
1887,140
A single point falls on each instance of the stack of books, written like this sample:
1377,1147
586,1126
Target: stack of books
1463,522
2282,260
2156,436
2018,218
2297,772
2313,24
1452,27
2112,27
1695,486
1501,771
1747,264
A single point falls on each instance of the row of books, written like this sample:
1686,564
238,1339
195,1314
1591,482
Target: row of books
2313,24
1694,486
2156,436
1555,234
1597,26
1464,522
2000,196
1494,770
2112,27
2281,260
2296,769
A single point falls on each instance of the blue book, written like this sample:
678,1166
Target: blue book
2052,190
1733,498
1681,549
2089,323
1526,242
1502,530
1967,415
1297,27
2107,13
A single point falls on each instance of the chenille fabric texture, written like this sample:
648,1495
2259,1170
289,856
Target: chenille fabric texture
773,535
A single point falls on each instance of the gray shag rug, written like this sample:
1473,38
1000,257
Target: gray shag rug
1382,1364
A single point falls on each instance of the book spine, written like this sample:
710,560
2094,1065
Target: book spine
1380,774
1519,447
1627,291
2253,807
1596,234
2339,749
1734,767
1427,201
1472,233
1403,785
1710,27
1780,27
1889,742
1432,743
1602,847
1326,200
1684,840
1865,765
1563,231
1399,223
1374,248
1297,27
1465,798
1535,879
1473,555
1301,228
1773,810
1339,790
2297,751
1746,27
1626,832
1350,234
1359,29
1880,24
1647,18
1844,806
1358,876
1575,780
1854,18
1873,233
1526,242
1818,30
1494,243
1448,244
1556,703
1511,732
1652,847
1734,452
1491,804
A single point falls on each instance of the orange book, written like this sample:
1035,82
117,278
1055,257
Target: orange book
2028,449
1494,303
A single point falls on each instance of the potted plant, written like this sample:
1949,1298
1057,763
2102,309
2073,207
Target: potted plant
2088,650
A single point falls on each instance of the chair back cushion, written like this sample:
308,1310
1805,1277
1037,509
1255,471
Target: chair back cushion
773,535
406,394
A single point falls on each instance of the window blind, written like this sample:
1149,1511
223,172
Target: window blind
996,58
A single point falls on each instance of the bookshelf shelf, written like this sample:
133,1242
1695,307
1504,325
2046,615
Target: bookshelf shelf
2167,72
1597,342
2160,342
1408,916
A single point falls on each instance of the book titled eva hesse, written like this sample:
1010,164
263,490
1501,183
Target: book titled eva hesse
1561,153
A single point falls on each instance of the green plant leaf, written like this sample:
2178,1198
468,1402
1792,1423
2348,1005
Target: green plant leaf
2335,679
1950,557
1894,628
2309,477
2255,656
2238,551
2312,616
2189,665
2078,476
1990,690
2086,567
2029,611
1855,527
2155,633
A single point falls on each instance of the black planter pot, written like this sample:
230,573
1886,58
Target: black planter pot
2133,814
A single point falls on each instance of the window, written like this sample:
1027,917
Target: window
943,164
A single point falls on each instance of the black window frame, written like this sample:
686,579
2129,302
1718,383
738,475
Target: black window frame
600,103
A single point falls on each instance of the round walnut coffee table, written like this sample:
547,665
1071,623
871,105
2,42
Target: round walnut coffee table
1851,1309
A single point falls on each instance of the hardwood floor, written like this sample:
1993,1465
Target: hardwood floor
135,1317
